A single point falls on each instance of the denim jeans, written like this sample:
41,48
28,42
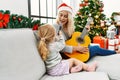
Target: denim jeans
96,50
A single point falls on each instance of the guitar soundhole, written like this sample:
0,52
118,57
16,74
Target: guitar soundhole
80,40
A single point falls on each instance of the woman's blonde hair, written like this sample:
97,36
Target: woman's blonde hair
69,25
46,33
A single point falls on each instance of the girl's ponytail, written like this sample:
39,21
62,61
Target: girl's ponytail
46,34
43,50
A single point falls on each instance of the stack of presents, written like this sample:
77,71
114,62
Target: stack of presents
111,41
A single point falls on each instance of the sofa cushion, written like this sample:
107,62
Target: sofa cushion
108,64
19,58
79,76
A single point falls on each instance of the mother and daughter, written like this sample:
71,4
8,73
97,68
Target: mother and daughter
51,44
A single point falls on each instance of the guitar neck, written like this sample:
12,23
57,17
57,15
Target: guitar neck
85,31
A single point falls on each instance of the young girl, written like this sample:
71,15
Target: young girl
65,17
49,48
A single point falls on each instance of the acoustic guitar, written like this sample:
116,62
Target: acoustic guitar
81,39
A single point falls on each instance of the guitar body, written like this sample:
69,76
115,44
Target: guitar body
74,42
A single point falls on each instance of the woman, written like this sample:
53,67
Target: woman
65,17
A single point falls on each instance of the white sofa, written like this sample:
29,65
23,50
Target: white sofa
20,60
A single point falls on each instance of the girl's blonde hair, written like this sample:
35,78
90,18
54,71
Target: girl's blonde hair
46,33
69,25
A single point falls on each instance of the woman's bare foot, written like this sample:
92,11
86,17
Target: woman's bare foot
118,51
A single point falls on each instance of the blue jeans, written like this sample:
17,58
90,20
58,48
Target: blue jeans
96,50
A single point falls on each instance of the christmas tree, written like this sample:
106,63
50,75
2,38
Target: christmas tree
93,8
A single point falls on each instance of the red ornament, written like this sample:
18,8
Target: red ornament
86,4
81,5
35,27
78,13
14,17
101,9
19,19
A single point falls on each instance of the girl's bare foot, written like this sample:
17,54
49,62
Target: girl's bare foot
76,69
92,67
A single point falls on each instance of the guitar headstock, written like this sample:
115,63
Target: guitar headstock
89,20
85,30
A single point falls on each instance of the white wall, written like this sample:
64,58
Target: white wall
15,6
21,6
111,6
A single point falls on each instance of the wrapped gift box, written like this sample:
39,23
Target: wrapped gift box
116,43
103,42
113,44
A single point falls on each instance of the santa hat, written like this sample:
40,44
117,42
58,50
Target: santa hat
65,7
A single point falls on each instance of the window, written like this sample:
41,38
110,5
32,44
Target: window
44,10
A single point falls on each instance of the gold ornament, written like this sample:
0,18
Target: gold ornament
97,26
92,23
96,16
